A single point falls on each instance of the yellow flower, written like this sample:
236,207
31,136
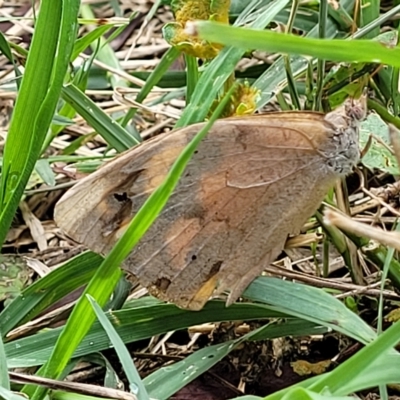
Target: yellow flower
244,100
191,10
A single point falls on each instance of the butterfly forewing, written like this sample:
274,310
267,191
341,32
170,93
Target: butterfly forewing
251,182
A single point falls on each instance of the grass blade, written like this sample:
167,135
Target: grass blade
135,382
335,50
4,380
37,99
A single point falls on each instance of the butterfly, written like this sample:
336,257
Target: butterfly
252,181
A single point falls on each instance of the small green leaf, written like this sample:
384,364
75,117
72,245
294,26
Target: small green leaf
378,156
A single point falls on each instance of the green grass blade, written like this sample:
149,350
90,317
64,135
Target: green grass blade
135,382
369,12
141,319
159,72
311,304
248,397
85,41
4,379
9,395
192,76
304,394
40,87
274,78
105,53
335,50
113,133
382,371
6,50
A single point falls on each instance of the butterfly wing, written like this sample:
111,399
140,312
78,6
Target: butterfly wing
252,181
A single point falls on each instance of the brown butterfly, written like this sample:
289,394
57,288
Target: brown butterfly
252,181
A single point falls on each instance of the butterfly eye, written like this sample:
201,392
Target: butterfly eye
356,112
